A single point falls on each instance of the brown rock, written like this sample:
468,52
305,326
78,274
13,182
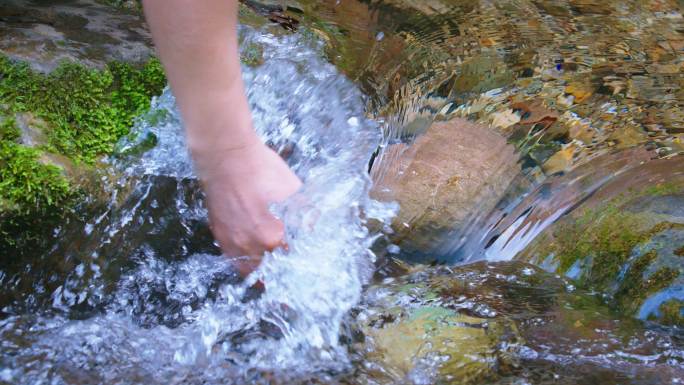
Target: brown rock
580,91
534,112
560,161
455,169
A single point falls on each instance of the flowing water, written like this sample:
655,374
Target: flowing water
190,320
136,291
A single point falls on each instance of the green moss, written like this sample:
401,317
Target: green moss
8,130
23,235
252,55
88,110
607,235
634,288
26,185
247,16
34,197
672,312
660,189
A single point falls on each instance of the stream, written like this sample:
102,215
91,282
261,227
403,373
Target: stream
136,290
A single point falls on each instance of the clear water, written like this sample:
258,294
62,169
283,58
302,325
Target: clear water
503,323
190,320
135,291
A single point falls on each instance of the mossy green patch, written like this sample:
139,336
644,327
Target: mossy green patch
672,312
8,130
660,189
33,196
634,287
247,16
26,185
88,110
609,235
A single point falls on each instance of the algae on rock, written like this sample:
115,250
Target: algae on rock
87,110
84,113
621,247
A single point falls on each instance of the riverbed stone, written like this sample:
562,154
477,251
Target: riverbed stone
413,333
429,332
624,241
491,323
440,180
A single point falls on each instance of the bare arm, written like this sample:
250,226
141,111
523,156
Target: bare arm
197,43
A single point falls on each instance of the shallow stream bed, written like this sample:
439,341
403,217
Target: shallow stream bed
562,265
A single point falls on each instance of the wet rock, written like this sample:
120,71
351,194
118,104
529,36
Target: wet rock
483,73
579,91
413,332
560,161
84,31
498,323
533,112
31,129
463,344
623,240
455,169
671,312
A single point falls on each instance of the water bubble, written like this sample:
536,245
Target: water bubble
393,249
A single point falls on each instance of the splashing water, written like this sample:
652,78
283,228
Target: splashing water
190,320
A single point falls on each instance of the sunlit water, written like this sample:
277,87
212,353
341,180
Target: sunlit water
190,320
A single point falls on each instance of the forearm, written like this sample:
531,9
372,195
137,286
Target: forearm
198,46
197,43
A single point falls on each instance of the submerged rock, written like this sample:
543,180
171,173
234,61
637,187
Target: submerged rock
449,174
624,239
501,323
461,344
415,330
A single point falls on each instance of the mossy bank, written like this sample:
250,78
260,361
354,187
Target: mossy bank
73,114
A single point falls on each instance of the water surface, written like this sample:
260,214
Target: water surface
137,292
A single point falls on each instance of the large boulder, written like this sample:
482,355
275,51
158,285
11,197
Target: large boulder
441,181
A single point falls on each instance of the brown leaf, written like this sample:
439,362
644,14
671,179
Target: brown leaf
534,112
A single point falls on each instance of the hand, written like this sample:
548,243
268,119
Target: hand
198,44
240,184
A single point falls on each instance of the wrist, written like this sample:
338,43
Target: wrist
220,142
226,135
218,120
228,160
